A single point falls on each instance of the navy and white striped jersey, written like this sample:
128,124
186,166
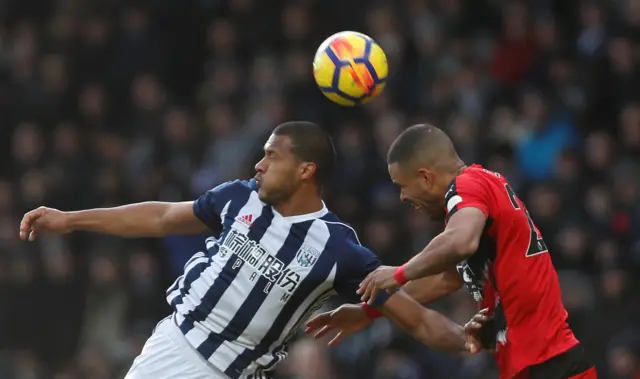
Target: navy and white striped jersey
240,302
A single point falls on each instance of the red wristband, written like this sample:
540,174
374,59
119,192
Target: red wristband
399,276
371,312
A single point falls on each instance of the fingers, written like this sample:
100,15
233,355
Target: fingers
323,332
474,324
318,322
336,340
367,291
472,327
373,295
472,346
27,231
481,316
364,285
33,235
25,224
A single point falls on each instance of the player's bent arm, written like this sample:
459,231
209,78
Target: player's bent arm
432,288
148,219
428,326
459,241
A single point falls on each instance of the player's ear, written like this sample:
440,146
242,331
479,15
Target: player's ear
425,176
307,170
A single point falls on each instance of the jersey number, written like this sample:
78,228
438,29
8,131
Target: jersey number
536,243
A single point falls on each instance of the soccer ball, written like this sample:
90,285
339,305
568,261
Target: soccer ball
350,68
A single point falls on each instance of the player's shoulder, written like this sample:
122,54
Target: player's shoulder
235,187
238,184
346,245
342,231
472,178
475,172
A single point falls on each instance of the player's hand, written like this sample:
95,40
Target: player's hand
472,331
380,279
41,220
346,319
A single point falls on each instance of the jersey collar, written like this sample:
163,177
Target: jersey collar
304,217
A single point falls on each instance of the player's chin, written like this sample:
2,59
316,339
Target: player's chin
416,206
263,195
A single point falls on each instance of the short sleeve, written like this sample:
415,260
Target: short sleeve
356,263
466,190
210,205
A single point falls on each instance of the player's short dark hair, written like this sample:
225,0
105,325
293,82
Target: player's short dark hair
310,143
407,144
425,140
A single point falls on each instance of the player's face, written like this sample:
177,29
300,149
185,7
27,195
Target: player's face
419,188
276,171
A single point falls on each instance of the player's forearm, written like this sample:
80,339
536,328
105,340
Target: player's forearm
440,332
133,220
432,288
441,254
433,329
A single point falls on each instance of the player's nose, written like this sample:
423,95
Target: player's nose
260,166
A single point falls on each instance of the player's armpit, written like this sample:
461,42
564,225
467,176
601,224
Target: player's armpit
432,288
428,326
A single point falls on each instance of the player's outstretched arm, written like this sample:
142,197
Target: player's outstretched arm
350,319
428,326
458,242
148,219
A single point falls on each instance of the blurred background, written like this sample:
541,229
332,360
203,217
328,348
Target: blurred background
106,102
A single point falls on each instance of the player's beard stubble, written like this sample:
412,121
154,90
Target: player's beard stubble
436,212
274,196
434,209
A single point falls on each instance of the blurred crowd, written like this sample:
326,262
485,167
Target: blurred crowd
107,102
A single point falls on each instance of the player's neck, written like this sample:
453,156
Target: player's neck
455,171
461,167
299,204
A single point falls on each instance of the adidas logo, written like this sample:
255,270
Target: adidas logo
246,219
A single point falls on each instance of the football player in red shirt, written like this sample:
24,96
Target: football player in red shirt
496,250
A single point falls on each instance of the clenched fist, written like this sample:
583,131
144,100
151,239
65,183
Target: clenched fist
41,220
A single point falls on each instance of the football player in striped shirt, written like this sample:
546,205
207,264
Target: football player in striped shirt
280,256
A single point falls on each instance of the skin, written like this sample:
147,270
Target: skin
289,185
284,181
429,289
426,325
425,188
349,319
